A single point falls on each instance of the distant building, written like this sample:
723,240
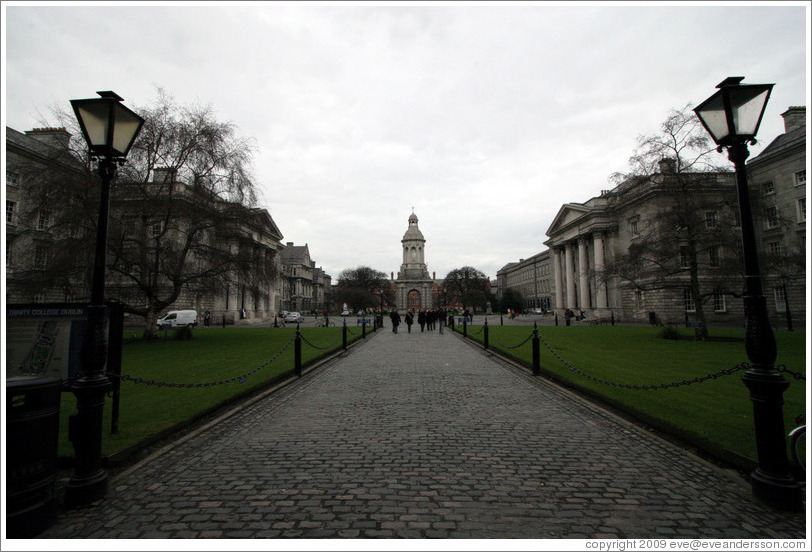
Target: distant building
414,288
532,278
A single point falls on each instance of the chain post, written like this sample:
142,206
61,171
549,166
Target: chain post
297,352
536,362
556,318
344,335
485,338
464,326
364,328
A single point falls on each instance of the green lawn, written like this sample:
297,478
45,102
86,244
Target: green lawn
215,354
716,415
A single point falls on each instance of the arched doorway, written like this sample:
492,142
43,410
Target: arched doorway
414,300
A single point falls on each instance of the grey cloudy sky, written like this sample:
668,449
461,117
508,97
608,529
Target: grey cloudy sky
484,118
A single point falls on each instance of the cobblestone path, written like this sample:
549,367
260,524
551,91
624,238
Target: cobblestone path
422,435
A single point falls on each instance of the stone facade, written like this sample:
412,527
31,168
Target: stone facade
777,178
414,288
305,287
533,278
43,155
585,236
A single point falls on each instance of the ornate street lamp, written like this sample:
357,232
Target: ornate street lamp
732,117
110,130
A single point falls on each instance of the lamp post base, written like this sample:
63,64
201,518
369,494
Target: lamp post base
777,491
82,490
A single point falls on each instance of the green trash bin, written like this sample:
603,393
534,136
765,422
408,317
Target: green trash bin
32,434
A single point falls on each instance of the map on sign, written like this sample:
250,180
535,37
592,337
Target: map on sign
44,340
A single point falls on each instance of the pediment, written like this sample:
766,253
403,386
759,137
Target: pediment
568,214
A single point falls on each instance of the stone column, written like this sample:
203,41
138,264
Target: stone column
570,275
583,274
559,282
600,286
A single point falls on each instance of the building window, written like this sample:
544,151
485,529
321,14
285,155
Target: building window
713,255
40,258
39,297
12,178
44,219
690,306
710,220
684,257
737,219
800,178
156,229
770,217
634,226
719,303
8,255
774,248
639,299
780,299
10,207
800,207
768,188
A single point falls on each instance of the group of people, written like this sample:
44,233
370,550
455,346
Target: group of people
428,320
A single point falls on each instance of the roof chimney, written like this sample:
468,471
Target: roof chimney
164,175
55,137
794,117
668,165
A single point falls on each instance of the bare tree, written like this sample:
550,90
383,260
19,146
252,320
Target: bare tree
362,287
689,238
466,285
183,216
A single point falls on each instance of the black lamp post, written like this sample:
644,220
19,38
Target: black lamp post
732,117
110,130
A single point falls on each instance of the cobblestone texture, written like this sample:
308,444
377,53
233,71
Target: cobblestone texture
423,436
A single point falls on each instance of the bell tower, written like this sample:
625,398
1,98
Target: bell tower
414,263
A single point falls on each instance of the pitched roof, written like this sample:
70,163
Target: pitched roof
781,144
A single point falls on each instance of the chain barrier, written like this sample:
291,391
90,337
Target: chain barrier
529,337
481,329
784,370
236,379
701,379
352,332
316,346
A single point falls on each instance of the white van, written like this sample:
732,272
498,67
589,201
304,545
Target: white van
177,319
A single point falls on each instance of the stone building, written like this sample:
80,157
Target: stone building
298,270
38,237
414,288
584,237
532,278
777,178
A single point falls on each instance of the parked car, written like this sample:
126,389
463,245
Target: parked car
537,311
177,319
345,313
293,317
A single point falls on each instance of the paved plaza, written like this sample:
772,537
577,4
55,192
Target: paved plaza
421,435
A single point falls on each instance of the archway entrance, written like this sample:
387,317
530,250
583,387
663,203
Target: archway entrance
414,300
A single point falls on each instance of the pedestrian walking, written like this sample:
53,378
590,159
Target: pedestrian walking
441,319
421,319
207,319
395,317
568,314
409,321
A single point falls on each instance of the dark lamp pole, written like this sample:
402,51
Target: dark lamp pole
110,130
732,117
